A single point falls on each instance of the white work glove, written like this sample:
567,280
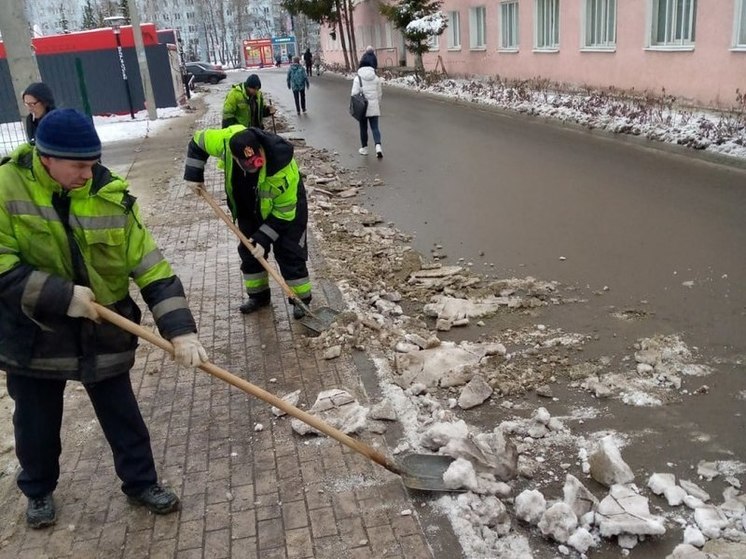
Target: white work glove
256,249
188,351
80,304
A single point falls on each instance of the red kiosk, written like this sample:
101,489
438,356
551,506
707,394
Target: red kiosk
257,53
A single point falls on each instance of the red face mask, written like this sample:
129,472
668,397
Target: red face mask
252,160
253,163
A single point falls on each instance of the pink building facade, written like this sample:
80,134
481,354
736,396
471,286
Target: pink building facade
695,50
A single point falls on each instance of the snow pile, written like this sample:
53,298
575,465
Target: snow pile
429,382
660,364
619,113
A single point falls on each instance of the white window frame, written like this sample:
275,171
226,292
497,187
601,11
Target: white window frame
739,26
433,43
599,25
509,26
678,26
454,30
477,28
546,25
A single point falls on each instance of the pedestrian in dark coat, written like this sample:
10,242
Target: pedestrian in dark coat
39,100
298,83
308,61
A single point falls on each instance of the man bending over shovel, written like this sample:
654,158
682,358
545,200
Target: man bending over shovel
267,198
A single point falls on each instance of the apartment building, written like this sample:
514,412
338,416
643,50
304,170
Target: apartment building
209,29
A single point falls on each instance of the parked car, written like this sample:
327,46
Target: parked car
205,72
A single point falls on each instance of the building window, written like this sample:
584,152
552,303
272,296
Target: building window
674,22
600,24
741,24
432,42
509,25
477,27
454,30
388,34
547,24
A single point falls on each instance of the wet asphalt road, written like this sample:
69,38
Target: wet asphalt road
638,221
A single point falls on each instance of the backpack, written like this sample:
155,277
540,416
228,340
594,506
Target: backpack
358,103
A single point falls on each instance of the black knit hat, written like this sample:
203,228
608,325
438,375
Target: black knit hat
253,81
41,92
68,134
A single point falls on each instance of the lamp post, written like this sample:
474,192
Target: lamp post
116,25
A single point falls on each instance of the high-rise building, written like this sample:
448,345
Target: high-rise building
210,30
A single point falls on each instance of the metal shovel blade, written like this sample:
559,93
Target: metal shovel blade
425,471
320,319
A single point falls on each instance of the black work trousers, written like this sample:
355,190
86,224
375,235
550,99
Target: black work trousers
291,252
37,420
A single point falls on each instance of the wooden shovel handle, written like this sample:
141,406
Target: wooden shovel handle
246,386
201,191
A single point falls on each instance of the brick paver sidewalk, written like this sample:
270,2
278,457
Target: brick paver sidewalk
245,493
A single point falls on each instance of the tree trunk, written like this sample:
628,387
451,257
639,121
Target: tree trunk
353,39
419,65
341,33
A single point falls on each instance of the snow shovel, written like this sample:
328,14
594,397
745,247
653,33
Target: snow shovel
317,321
421,471
274,127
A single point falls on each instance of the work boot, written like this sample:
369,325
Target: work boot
156,499
254,303
298,311
40,512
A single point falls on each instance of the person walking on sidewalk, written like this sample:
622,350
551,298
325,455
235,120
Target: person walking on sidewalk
370,84
39,100
71,234
308,61
244,104
298,83
267,199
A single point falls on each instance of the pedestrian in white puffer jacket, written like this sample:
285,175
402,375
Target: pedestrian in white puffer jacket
370,84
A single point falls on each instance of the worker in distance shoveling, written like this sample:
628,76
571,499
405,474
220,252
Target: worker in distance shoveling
267,199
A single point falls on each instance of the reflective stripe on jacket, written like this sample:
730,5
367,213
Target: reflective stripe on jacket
277,183
102,244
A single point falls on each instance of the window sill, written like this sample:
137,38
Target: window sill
548,50
454,49
739,48
477,49
670,48
508,51
598,49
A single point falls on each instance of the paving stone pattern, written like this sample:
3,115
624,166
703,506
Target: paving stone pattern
245,493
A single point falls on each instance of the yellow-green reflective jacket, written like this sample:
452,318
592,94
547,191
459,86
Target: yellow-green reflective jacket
237,108
278,183
102,244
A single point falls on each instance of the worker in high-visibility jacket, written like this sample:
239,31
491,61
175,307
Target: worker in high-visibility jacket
71,234
244,104
266,198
